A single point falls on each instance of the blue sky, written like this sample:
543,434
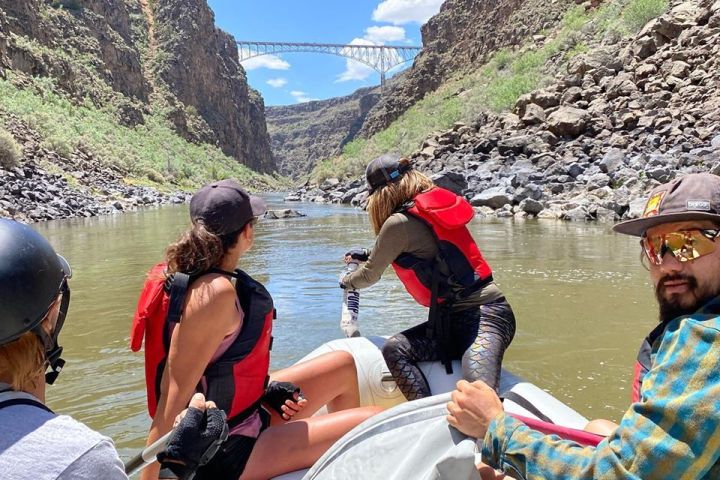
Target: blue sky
290,78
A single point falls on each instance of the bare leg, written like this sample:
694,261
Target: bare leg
488,473
601,426
300,443
330,379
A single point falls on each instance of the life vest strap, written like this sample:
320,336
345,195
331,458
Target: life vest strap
438,325
24,401
178,290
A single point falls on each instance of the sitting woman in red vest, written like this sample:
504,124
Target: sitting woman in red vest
213,334
421,230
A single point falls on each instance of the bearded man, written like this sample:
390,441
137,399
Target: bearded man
672,429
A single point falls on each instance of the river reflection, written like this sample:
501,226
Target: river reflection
581,298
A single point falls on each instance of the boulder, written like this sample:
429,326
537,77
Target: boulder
568,121
531,206
534,114
635,209
577,214
451,180
495,197
513,144
612,161
288,213
330,183
545,98
683,16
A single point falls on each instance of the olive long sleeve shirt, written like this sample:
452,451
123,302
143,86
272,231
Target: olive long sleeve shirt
400,234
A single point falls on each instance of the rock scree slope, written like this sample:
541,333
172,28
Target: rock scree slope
103,56
624,117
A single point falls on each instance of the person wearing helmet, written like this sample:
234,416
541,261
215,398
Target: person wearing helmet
422,231
36,443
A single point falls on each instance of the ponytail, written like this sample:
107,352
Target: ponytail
198,250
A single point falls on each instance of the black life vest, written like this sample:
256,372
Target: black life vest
237,380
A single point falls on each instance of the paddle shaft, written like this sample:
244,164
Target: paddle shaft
147,456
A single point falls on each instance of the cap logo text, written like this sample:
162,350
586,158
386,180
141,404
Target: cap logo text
703,205
652,207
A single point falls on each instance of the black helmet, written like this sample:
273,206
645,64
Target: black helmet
385,169
31,277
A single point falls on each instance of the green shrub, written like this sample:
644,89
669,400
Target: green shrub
639,12
68,4
59,145
10,151
502,59
154,176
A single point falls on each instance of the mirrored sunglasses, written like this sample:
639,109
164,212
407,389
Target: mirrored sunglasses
685,245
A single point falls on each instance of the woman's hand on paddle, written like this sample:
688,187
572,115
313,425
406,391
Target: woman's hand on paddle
197,401
198,433
293,407
472,407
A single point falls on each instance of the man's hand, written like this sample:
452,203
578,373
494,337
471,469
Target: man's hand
472,407
198,433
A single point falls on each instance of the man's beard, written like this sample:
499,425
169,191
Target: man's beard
672,306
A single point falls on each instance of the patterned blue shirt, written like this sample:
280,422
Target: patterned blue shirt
673,432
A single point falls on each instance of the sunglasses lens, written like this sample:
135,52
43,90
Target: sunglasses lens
685,246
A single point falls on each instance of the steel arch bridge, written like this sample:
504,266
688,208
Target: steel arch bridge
381,58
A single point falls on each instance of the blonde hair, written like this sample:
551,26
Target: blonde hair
387,199
22,361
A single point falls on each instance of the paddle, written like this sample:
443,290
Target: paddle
147,456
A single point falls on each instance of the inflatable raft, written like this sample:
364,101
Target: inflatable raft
412,439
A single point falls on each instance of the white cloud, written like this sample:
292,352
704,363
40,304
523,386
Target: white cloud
272,62
302,97
387,33
277,82
355,70
400,12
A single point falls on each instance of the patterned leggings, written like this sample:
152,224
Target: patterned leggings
478,335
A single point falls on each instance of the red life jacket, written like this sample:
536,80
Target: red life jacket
447,215
237,380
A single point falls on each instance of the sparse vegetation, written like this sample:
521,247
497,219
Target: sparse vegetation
152,151
639,12
496,86
10,152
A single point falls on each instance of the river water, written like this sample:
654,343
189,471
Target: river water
582,301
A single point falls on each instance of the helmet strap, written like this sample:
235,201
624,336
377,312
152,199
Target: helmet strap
53,351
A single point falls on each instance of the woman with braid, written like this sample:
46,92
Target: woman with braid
422,231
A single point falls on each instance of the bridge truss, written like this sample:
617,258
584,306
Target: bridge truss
381,58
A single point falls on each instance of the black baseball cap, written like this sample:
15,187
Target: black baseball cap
385,169
692,197
224,207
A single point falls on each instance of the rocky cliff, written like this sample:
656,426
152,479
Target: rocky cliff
200,65
136,55
624,117
461,37
305,133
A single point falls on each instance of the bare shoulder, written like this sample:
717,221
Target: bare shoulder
213,293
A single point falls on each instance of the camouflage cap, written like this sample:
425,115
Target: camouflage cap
692,197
